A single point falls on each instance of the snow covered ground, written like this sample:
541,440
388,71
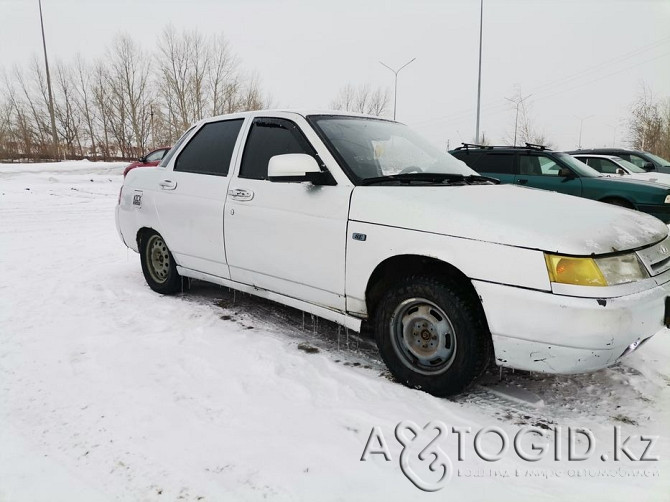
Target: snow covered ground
109,391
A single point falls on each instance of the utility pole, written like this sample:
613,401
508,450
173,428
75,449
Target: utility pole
518,100
395,84
54,134
479,78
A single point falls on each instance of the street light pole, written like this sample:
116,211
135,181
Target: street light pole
581,125
51,99
479,79
395,83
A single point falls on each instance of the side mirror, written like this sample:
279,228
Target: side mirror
620,171
142,160
564,172
297,167
648,166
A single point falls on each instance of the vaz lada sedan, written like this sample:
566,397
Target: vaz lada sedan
358,219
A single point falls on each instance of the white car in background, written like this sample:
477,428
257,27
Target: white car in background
358,219
611,165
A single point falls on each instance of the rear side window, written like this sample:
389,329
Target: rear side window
211,149
269,137
497,163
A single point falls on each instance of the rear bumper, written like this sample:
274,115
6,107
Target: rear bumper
545,332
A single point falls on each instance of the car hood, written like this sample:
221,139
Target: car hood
663,178
509,215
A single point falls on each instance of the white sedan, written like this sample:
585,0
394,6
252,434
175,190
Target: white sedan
358,219
611,165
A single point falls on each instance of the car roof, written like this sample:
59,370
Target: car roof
596,155
301,113
603,151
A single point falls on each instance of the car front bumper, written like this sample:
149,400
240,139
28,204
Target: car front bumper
550,333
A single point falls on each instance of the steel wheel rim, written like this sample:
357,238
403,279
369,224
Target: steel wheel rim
423,336
158,259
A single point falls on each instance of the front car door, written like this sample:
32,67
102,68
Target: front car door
537,170
191,195
286,237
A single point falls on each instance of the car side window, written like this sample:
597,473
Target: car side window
269,137
638,161
496,163
157,155
604,166
538,165
211,149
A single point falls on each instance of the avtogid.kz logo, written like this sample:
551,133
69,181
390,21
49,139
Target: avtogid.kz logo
426,464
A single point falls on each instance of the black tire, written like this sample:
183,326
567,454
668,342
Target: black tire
432,335
158,265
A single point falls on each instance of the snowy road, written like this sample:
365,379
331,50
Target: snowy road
109,391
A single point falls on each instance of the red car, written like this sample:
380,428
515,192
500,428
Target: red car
150,159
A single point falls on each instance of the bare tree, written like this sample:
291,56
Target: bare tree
129,83
361,99
649,125
119,105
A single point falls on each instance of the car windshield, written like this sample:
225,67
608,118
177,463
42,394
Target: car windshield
629,166
659,160
373,148
578,166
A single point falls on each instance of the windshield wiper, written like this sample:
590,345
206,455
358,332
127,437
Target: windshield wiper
438,178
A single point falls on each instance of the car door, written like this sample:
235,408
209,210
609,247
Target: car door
541,171
191,197
286,237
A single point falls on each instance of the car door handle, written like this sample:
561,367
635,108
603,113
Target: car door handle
168,184
522,181
240,194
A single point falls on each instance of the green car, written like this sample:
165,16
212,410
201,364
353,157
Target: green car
538,167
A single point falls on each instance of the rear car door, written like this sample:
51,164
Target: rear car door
191,195
537,170
285,236
500,165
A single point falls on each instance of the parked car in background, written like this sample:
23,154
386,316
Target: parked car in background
611,165
538,167
645,160
151,159
358,219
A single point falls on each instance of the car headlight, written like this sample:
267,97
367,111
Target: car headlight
595,271
667,199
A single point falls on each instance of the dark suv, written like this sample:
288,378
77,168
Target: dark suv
645,160
538,167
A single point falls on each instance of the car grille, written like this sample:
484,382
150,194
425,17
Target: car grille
656,258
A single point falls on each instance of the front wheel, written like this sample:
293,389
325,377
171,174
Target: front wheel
158,265
432,335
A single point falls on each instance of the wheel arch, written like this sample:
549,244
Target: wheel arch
618,200
395,268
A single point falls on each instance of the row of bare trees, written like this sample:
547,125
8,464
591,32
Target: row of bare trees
649,125
127,101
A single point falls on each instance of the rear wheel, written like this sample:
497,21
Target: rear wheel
158,265
431,335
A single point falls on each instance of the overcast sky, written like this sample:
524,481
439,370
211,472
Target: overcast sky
578,58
